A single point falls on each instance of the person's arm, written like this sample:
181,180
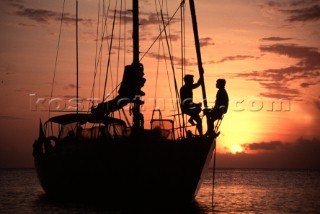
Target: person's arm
197,84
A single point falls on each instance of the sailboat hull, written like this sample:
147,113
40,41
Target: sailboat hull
126,169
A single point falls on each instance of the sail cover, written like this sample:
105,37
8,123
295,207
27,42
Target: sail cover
130,89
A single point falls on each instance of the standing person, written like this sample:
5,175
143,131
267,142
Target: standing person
220,107
187,105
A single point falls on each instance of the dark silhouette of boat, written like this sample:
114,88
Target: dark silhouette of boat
94,155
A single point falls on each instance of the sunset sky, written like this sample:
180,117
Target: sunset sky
268,51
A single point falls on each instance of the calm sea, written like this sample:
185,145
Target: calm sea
236,191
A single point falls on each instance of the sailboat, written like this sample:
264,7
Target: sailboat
96,155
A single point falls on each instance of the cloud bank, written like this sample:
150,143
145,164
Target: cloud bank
302,154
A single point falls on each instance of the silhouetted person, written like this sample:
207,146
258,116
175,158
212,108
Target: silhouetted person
187,105
220,107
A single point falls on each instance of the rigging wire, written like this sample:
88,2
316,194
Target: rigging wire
172,67
161,31
77,57
119,47
96,54
125,35
169,28
157,76
163,49
103,30
110,48
98,61
57,53
169,47
183,54
158,62
99,58
177,91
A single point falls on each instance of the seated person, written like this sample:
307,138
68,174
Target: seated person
220,107
187,105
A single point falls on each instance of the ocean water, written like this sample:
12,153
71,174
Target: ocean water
235,191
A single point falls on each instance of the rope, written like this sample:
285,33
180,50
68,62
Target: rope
57,53
214,159
213,173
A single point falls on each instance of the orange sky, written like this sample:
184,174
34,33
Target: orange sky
267,51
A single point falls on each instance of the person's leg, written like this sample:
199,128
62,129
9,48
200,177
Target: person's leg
191,113
199,124
210,124
191,121
211,118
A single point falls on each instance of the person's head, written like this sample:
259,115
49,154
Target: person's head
188,79
221,83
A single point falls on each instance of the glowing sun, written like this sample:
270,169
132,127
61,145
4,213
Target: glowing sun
236,148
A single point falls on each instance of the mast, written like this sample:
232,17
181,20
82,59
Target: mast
77,58
138,121
197,44
135,34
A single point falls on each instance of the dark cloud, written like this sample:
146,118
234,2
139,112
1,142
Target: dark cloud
307,84
233,58
275,39
69,86
302,154
126,16
151,19
277,81
148,20
317,103
38,14
297,11
303,2
309,56
145,19
177,60
23,90
263,146
44,16
307,67
303,15
173,37
279,95
282,91
26,25
72,85
16,1
304,85
206,42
